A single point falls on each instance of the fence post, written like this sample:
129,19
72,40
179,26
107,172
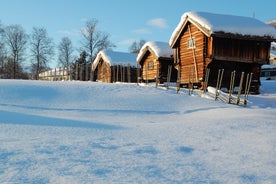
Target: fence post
240,88
247,87
157,75
138,73
206,80
169,76
232,85
178,79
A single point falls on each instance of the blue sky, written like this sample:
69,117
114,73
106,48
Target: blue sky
124,20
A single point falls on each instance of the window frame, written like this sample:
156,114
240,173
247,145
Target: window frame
191,43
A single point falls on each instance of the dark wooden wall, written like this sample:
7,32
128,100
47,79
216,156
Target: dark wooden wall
241,50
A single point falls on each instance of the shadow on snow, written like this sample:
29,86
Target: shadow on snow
25,119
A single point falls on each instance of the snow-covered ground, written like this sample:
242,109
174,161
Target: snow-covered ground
87,132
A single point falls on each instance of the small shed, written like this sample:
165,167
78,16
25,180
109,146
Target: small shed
111,66
268,72
206,40
155,58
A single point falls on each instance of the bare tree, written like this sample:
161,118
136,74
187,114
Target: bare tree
136,46
94,40
65,49
16,40
42,49
2,51
2,44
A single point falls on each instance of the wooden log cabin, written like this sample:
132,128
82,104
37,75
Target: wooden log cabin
111,66
233,43
155,59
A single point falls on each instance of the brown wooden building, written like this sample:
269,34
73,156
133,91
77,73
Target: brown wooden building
206,40
110,66
155,59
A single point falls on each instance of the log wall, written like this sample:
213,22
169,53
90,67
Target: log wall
241,50
104,72
149,67
192,59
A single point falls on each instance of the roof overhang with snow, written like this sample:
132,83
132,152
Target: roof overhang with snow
224,26
158,49
115,58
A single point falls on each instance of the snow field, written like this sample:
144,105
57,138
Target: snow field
86,132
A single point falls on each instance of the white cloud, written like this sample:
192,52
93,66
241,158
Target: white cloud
142,31
158,22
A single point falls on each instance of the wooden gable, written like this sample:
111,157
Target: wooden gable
103,71
191,55
155,59
149,66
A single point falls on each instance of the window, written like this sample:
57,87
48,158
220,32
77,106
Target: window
150,65
191,43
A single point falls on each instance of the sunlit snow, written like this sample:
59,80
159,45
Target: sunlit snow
88,132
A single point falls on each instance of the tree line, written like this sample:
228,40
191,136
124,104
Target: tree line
15,42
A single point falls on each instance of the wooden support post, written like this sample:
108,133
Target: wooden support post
221,77
81,72
128,73
240,88
86,71
169,76
113,73
192,81
178,79
189,81
117,73
157,75
124,73
205,84
247,87
138,73
147,68
91,72
232,85
92,75
194,54
219,81
217,86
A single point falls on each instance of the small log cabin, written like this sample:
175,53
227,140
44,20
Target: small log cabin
154,59
111,66
206,40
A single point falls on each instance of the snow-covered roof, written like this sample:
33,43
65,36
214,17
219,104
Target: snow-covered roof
159,49
115,58
210,23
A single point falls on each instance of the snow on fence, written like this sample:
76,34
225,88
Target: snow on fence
236,93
